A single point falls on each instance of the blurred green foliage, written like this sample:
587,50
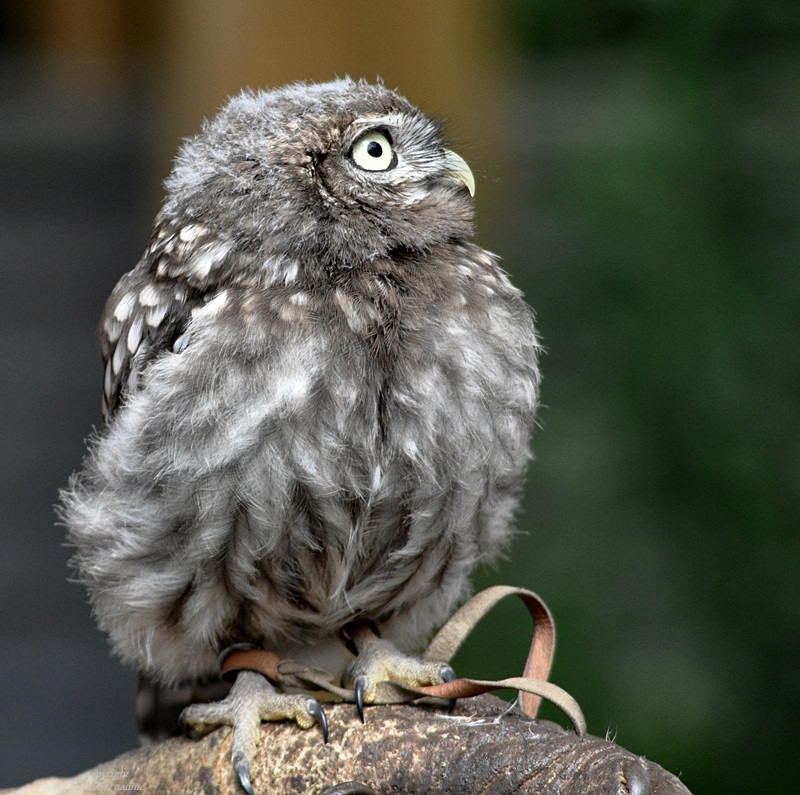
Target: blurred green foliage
674,27
652,216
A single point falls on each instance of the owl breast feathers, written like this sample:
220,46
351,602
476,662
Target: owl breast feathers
318,393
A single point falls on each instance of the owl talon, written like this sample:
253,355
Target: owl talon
360,685
315,710
348,788
447,673
242,769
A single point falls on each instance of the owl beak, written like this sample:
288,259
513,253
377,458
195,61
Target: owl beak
456,168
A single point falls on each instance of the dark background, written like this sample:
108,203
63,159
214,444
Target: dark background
638,169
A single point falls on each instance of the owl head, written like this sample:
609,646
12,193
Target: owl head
336,173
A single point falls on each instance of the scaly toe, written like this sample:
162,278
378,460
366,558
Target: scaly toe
252,699
379,661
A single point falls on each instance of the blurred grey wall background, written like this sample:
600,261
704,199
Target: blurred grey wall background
638,169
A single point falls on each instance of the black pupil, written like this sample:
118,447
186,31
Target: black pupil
374,149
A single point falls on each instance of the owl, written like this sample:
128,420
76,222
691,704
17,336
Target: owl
318,396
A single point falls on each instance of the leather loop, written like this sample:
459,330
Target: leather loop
259,660
451,636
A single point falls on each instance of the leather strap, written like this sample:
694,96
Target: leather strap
260,661
532,685
449,639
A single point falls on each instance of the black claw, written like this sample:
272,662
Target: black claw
448,675
360,684
242,769
349,788
316,710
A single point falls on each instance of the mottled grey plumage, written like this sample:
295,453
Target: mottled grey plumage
319,394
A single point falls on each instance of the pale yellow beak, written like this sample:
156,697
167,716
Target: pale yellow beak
458,170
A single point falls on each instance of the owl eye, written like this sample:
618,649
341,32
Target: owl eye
373,151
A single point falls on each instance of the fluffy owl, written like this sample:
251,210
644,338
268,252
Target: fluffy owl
319,397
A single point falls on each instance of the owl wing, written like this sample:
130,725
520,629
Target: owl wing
147,314
149,310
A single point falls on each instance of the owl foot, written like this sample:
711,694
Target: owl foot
252,699
379,661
